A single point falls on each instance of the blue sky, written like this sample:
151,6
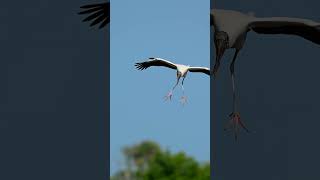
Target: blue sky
174,30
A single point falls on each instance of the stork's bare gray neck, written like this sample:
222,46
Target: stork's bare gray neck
222,37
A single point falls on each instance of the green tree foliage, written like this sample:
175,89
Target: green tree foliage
140,155
147,161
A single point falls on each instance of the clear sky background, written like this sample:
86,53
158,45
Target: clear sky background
173,30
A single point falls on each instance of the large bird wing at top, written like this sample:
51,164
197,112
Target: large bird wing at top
305,28
200,69
155,62
98,13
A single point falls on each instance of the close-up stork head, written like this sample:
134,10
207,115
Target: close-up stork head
182,71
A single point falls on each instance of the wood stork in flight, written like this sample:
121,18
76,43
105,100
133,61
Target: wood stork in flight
182,71
231,28
98,13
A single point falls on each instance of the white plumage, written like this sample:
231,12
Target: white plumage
231,28
182,71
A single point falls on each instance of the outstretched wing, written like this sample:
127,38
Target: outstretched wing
200,69
305,28
98,13
155,62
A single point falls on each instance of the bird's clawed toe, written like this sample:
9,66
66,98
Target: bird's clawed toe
184,100
234,124
168,96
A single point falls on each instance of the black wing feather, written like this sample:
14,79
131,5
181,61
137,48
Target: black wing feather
99,13
205,71
144,65
311,33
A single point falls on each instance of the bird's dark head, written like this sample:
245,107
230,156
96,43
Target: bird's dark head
221,42
179,74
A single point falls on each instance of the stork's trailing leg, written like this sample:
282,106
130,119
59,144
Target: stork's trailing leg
184,98
235,120
169,95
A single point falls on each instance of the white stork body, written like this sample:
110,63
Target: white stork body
231,28
182,71
236,31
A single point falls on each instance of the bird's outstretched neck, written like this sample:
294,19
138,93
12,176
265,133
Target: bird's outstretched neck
221,41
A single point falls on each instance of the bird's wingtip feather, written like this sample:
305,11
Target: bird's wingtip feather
91,5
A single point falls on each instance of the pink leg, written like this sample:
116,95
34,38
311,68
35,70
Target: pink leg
184,98
169,95
234,124
235,121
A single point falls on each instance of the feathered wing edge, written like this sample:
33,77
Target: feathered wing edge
304,28
155,62
204,70
97,13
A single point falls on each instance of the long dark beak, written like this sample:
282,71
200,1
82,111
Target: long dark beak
220,49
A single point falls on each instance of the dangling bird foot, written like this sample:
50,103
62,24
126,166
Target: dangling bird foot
184,100
234,123
168,96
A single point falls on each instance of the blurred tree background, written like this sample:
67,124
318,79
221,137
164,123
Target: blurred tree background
147,161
